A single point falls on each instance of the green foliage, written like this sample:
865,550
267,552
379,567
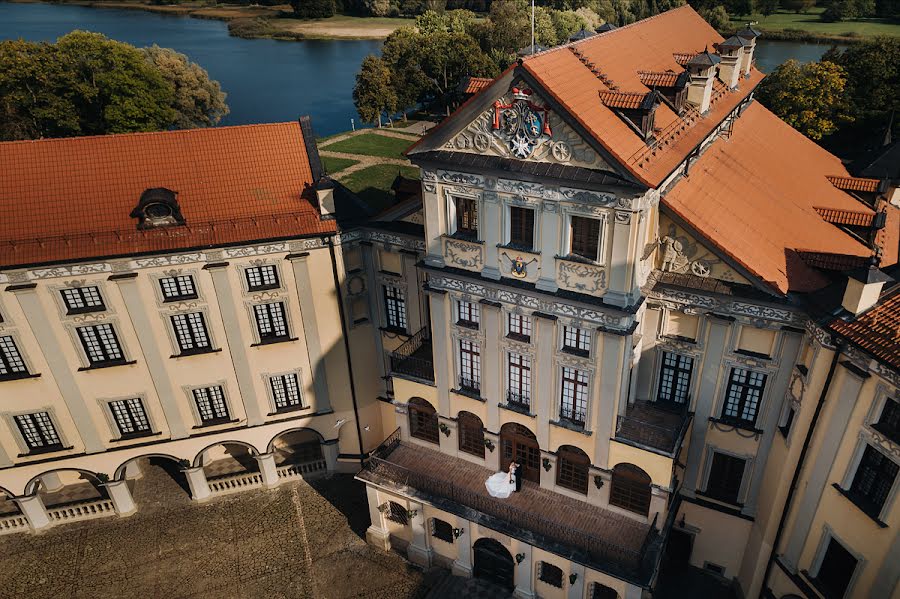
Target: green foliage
808,97
452,21
717,17
313,9
372,94
873,74
797,6
371,144
334,165
767,7
199,101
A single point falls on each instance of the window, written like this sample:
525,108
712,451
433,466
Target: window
11,363
466,217
394,308
745,389
471,434
82,299
873,481
521,227
423,421
600,591
468,314
130,417
190,331
550,574
469,366
262,277
785,428
442,530
270,322
573,398
211,405
519,327
572,469
835,571
38,432
286,392
397,513
630,489
726,473
178,288
585,234
576,341
889,422
101,345
675,378
519,392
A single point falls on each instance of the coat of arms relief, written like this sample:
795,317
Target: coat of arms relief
521,126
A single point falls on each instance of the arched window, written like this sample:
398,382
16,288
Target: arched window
552,575
471,434
423,422
572,468
630,489
601,591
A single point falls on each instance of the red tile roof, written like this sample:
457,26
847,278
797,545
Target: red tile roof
70,199
476,84
846,217
876,331
757,197
662,79
855,183
627,100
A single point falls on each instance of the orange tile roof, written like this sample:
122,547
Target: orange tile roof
855,183
683,58
476,84
756,196
621,54
70,199
627,100
876,331
888,238
662,79
846,217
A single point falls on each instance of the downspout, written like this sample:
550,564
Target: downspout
345,335
806,443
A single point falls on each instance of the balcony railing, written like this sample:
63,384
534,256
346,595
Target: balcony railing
414,358
469,386
518,401
659,427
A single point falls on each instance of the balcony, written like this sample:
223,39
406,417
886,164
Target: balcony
414,358
654,426
579,531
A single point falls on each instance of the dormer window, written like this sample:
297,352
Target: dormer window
158,207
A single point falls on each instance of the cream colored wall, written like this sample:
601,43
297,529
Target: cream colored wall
658,467
720,539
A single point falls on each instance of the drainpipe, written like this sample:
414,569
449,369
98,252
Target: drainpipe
806,443
345,335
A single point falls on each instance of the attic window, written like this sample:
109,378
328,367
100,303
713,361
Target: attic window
158,207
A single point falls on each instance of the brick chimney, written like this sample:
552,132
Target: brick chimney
702,69
732,53
863,288
749,35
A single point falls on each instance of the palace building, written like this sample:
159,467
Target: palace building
676,313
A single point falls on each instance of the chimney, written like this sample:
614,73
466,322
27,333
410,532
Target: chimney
732,53
702,69
749,35
864,288
325,197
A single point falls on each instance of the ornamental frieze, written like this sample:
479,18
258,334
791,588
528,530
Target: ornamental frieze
460,178
64,271
520,187
588,197
583,278
463,254
241,252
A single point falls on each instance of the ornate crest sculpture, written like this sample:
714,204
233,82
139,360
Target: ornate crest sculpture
518,267
521,124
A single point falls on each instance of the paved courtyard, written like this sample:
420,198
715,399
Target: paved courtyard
300,540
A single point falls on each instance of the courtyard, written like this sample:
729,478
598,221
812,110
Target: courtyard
299,540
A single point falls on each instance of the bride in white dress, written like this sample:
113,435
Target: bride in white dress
502,484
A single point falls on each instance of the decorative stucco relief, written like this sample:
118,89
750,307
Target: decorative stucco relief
681,253
583,278
463,254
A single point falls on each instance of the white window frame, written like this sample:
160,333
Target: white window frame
450,210
589,375
601,242
526,318
816,565
270,392
106,407
476,365
245,277
529,395
473,307
21,443
562,338
746,478
862,443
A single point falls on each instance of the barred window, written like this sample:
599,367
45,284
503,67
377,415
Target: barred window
889,422
519,380
468,314
211,405
178,288
38,432
600,591
397,513
286,391
423,420
395,307
466,217
442,530
11,363
573,398
469,366
585,237
836,570
270,321
873,480
630,489
572,469
745,389
519,326
471,434
190,331
675,378
550,574
130,417
262,277
521,227
726,474
101,344
82,299
576,341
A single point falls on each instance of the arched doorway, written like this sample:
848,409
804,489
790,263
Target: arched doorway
67,486
300,450
156,481
226,459
630,489
493,563
519,444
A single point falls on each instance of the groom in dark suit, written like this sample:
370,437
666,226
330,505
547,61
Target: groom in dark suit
520,470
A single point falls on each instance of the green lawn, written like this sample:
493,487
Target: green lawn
373,184
334,165
810,22
371,144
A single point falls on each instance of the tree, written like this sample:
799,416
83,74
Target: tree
767,7
373,95
873,75
717,17
808,97
199,101
797,6
313,9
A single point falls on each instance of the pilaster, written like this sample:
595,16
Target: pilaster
544,373
442,349
490,231
196,479
607,405
411,277
377,533
419,552
492,368
375,299
524,569
121,497
33,509
549,229
268,470
433,206
620,265
576,588
331,449
462,565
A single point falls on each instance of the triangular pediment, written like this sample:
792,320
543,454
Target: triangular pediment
681,252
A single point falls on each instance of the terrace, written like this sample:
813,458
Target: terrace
654,427
414,358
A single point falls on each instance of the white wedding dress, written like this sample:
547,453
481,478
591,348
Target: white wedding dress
499,485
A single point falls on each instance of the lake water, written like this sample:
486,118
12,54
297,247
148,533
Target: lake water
266,80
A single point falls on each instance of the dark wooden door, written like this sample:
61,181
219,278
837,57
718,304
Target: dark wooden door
493,563
522,449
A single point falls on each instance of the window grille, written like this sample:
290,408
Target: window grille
190,332
550,574
82,299
130,417
260,278
442,530
285,391
178,288
101,344
270,321
38,431
211,405
573,399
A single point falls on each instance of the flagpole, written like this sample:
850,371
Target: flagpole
532,26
